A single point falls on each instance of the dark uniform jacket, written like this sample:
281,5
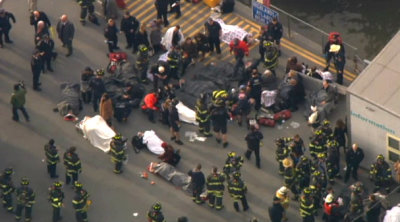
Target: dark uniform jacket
128,24
52,156
42,17
72,163
56,197
110,32
79,201
198,179
161,5
202,113
354,158
213,30
253,140
237,188
155,216
65,31
25,196
6,185
141,38
117,151
215,182
98,87
5,21
275,30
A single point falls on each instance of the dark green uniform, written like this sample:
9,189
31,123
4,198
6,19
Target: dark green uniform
271,56
281,153
117,154
7,188
237,189
52,158
215,190
142,62
56,197
25,200
381,174
307,208
203,117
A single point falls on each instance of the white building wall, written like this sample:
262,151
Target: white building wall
369,128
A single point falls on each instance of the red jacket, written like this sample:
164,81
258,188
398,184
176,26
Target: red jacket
328,207
242,46
150,101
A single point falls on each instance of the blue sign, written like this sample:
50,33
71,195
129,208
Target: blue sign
262,13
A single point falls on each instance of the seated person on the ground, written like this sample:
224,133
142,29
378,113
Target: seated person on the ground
323,100
123,107
170,156
269,80
291,91
292,64
71,103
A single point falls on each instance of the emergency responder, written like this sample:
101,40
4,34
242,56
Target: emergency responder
220,117
215,189
98,88
283,196
72,165
142,63
318,183
239,49
289,176
197,180
25,200
52,158
86,6
297,147
271,54
129,26
332,209
354,156
160,71
253,139
303,172
281,153
356,201
213,32
237,189
155,214
7,188
275,32
317,144
307,208
219,98
203,115
117,149
326,129
233,163
319,164
381,174
56,197
174,61
332,162
255,89
80,202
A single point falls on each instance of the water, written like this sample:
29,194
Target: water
365,24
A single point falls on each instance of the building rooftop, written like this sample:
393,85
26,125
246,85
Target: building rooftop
379,83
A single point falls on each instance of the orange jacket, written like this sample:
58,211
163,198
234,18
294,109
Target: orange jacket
242,46
150,101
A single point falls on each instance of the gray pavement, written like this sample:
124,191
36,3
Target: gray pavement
116,198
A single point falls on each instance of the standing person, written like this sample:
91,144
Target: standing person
334,39
203,115
86,90
174,122
239,49
25,200
339,133
162,10
18,101
219,118
129,26
174,61
41,31
255,88
86,5
117,149
175,5
263,36
215,189
142,63
80,202
373,209
155,35
155,214
37,16
339,59
56,197
98,88
106,109
253,139
110,33
275,30
36,67
72,165
213,32
198,181
5,26
237,189
52,158
354,156
160,71
150,105
66,31
381,174
276,212
7,188
32,5
307,209
189,53
141,38
46,45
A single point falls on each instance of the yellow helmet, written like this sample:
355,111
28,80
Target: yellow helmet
287,162
380,157
232,154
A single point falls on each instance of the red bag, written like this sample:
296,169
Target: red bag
283,115
266,122
121,4
335,38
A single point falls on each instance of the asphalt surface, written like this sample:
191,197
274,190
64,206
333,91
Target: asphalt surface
117,197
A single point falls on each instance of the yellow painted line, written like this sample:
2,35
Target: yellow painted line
132,4
232,21
183,15
144,14
192,24
139,8
247,28
195,26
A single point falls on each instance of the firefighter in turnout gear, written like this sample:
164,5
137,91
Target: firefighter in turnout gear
155,214
356,200
174,61
290,176
318,181
237,189
86,6
303,172
316,196
142,63
271,54
117,149
72,165
80,202
317,144
307,208
326,129
56,197
219,97
25,200
332,162
281,153
203,115
52,158
215,189
7,188
232,164
381,174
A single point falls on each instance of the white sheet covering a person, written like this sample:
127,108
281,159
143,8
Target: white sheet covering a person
153,142
96,130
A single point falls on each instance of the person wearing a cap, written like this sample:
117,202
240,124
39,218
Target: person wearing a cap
381,174
155,214
7,188
98,88
307,208
5,26
52,158
213,32
118,153
25,200
72,165
56,197
160,72
80,202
